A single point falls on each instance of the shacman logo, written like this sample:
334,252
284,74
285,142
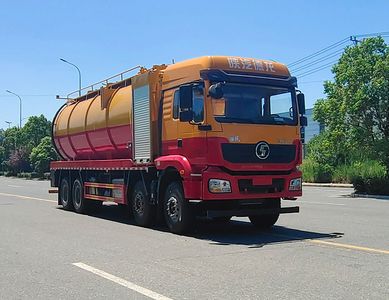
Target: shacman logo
262,150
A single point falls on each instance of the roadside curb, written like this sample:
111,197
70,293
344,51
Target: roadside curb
338,185
382,197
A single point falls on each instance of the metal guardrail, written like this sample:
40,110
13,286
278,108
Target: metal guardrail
97,85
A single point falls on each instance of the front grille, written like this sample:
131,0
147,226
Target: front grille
245,153
246,186
255,173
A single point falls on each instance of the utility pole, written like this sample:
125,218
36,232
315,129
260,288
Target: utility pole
354,40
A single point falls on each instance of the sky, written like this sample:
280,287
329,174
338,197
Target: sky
106,37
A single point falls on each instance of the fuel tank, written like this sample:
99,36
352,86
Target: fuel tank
99,127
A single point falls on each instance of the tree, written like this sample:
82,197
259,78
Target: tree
356,110
42,154
16,143
34,130
18,161
10,141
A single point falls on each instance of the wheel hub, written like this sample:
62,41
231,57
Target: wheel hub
173,209
139,204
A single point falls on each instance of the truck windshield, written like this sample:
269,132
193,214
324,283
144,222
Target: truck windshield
253,104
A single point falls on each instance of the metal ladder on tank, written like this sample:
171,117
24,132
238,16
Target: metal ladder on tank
95,86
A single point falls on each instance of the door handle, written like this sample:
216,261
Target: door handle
179,143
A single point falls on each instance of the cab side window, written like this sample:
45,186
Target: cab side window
198,105
176,105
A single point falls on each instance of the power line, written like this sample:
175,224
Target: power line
310,82
310,64
330,47
6,96
314,62
383,34
322,67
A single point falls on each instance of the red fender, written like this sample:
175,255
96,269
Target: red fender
179,162
192,185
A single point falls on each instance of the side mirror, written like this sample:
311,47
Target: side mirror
186,103
303,121
301,103
216,90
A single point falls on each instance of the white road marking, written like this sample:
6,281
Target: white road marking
122,282
27,197
15,186
323,203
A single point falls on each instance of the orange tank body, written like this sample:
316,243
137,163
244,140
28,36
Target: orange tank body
86,130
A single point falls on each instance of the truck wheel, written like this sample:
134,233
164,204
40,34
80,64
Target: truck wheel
79,203
65,198
178,215
266,221
144,212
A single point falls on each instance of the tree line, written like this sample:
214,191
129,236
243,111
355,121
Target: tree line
354,146
27,149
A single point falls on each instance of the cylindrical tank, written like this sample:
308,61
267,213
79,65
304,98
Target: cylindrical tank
88,129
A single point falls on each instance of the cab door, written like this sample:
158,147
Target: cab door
191,136
184,137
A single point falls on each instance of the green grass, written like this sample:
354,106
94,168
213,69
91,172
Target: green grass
315,172
359,169
347,173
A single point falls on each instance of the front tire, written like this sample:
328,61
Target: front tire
267,221
144,212
178,215
65,198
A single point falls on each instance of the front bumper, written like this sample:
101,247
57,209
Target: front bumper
251,212
253,186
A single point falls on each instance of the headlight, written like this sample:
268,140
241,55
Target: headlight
295,184
219,186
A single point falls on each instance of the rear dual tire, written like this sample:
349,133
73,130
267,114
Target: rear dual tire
72,198
143,211
79,202
65,198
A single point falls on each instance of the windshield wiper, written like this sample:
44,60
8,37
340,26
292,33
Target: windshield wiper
278,120
239,120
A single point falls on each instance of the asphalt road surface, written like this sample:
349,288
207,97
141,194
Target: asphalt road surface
336,248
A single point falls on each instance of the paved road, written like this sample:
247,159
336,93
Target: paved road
336,248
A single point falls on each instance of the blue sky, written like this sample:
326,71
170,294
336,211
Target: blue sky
106,37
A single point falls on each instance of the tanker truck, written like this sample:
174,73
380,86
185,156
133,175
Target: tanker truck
212,137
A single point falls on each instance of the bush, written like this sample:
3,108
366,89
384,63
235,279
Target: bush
371,185
370,177
33,175
316,172
9,174
25,175
347,173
